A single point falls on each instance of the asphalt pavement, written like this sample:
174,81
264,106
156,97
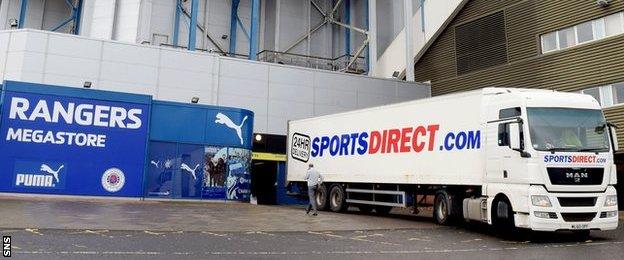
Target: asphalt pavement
396,236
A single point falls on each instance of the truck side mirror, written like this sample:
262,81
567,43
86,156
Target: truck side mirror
514,136
613,134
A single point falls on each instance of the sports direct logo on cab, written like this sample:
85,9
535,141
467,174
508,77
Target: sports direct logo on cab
387,141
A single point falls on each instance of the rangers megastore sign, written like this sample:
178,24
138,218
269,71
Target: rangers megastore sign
71,145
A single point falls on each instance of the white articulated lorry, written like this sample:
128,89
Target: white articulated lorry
535,159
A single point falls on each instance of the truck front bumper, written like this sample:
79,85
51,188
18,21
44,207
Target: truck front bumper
566,217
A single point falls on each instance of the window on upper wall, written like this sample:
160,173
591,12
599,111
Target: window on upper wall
582,33
618,93
609,95
613,24
594,92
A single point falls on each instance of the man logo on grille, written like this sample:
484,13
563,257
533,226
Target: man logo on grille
577,176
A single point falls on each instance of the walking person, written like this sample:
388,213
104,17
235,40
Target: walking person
314,179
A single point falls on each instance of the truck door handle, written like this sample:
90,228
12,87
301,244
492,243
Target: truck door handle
505,174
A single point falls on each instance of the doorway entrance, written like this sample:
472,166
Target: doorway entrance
264,181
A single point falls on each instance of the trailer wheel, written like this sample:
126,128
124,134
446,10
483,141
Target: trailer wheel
337,199
442,209
321,197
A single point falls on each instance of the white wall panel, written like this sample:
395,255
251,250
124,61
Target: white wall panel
187,61
129,73
130,53
128,87
76,67
276,124
29,41
290,109
244,87
291,76
244,69
74,47
276,93
288,92
188,80
182,95
344,99
70,81
258,105
4,49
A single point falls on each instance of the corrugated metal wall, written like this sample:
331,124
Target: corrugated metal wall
583,66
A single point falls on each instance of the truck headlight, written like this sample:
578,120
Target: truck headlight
611,201
540,201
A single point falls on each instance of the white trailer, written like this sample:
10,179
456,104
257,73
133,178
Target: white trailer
535,159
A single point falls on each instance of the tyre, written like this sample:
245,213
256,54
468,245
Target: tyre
442,209
337,199
383,210
321,198
502,216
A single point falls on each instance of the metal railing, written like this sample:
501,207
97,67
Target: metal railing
341,63
333,64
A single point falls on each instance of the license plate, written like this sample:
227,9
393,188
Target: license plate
580,226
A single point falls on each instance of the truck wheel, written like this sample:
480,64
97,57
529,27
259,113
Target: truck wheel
337,199
502,216
383,210
441,209
321,197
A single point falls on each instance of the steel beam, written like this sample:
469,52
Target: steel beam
372,35
347,20
336,6
318,8
303,37
253,34
75,15
202,29
233,26
192,39
409,39
22,15
422,15
176,22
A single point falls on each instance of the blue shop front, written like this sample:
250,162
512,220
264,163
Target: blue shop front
72,141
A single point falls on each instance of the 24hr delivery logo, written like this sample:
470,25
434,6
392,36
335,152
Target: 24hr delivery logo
47,175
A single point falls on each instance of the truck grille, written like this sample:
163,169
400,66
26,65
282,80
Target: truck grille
575,176
578,217
577,202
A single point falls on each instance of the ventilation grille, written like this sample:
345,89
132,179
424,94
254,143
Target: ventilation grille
578,217
577,202
481,43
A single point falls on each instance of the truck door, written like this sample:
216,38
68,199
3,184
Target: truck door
500,158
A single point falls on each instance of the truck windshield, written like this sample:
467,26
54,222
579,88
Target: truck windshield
568,129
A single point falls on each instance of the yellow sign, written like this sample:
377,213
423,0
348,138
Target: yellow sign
269,157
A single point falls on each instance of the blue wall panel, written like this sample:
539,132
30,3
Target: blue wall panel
200,124
58,140
194,151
